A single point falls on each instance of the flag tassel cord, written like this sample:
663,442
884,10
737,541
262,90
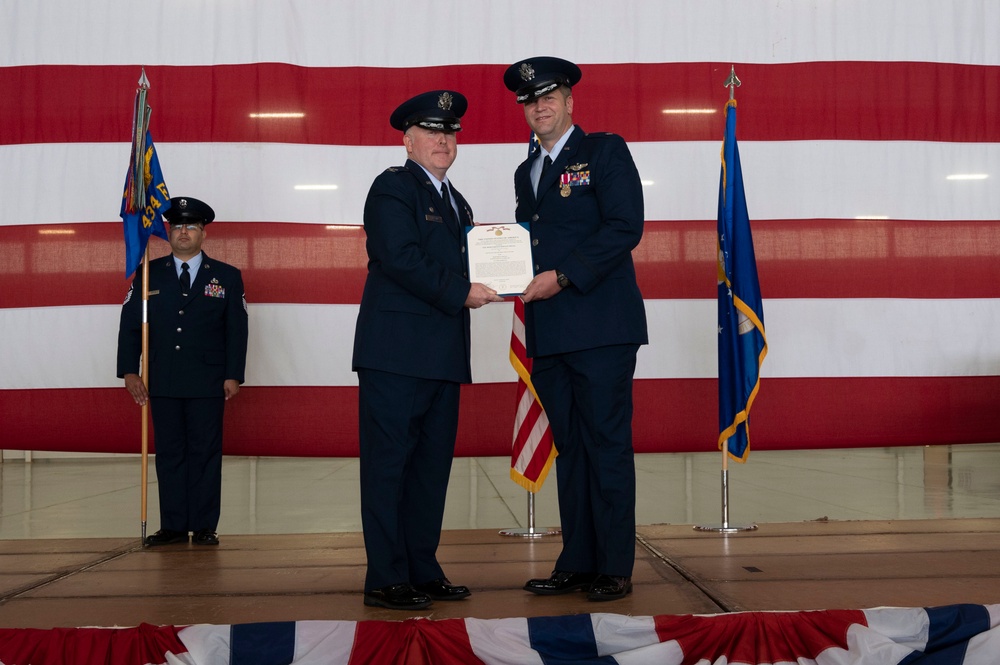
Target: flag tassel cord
725,527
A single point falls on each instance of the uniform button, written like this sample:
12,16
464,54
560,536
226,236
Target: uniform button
534,243
463,250
181,312
534,217
179,329
537,268
177,348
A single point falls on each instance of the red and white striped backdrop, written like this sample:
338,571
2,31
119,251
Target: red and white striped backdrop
881,331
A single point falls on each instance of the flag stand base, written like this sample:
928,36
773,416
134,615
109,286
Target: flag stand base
725,527
531,531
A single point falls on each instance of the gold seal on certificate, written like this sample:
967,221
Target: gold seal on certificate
500,257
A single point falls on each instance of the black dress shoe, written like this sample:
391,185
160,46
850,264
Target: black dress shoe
610,587
205,537
442,589
560,581
397,597
166,537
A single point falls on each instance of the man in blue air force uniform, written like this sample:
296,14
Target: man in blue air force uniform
197,357
584,323
411,352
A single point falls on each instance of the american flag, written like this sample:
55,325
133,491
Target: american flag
869,133
954,634
533,450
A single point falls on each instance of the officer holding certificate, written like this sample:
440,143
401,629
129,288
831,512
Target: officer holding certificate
584,323
411,352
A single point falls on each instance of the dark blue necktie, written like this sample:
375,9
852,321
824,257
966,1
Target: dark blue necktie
185,279
447,201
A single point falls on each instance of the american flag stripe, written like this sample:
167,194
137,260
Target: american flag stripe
338,33
845,101
880,329
891,337
799,413
798,180
856,259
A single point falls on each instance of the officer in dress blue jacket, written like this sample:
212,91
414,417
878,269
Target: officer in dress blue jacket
411,352
197,356
584,323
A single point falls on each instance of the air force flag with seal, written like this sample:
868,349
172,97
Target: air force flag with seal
742,341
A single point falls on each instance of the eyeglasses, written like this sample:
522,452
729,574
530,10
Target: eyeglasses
187,227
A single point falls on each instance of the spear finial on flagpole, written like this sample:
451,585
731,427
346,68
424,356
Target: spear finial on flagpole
136,194
732,82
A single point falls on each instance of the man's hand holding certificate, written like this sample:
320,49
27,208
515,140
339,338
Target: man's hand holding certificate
500,257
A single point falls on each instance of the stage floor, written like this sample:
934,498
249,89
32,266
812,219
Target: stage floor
789,566
842,528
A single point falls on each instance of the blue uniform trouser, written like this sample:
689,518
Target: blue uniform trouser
188,439
407,428
587,396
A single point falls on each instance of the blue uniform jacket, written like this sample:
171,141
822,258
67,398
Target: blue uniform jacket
589,235
413,320
195,343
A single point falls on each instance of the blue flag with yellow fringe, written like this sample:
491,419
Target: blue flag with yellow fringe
742,340
140,221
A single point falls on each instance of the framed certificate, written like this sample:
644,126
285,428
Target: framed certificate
500,257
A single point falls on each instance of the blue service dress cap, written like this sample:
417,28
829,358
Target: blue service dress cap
186,209
437,109
531,78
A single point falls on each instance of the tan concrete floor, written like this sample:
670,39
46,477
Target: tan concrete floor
789,566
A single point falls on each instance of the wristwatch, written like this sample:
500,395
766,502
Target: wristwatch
563,280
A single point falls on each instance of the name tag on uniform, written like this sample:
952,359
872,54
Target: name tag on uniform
433,218
154,293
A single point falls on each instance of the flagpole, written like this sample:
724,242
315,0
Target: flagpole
145,382
725,527
140,124
531,532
